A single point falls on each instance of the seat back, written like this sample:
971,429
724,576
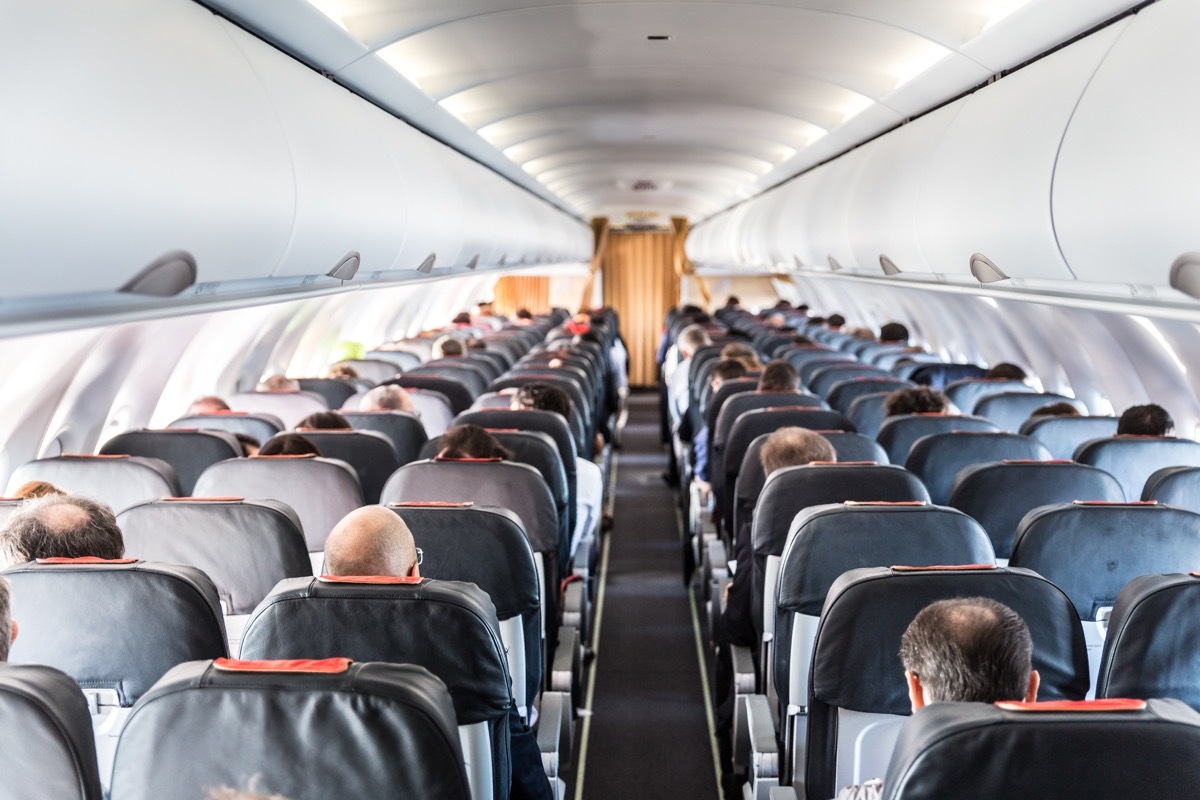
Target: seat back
1100,750
844,393
899,433
336,391
455,391
939,458
189,452
857,696
434,409
260,426
721,396
46,744
1009,410
403,430
320,490
370,453
967,392
121,481
447,627
386,730
1063,435
402,360
821,381
1174,486
1133,459
868,412
469,374
375,370
486,546
939,376
999,494
289,407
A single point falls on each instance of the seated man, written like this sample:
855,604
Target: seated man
966,650
209,404
8,628
324,421
893,333
1147,420
62,526
726,370
915,400
279,383
388,398
375,541
779,376
1005,371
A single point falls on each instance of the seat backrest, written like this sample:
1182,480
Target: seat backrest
120,481
403,360
376,370
336,391
998,495
868,412
809,352
580,419
386,730
741,403
1150,647
899,433
720,397
529,419
260,426
1063,435
1009,410
486,546
405,431
1174,486
189,452
370,453
46,744
289,407
939,376
244,546
1133,459
1103,750
471,375
447,627
938,458
433,408
857,695
455,391
821,381
114,625
967,392
320,490
844,393
825,541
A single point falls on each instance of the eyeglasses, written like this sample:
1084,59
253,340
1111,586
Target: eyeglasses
420,556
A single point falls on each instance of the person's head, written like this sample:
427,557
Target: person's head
775,321
341,371
727,369
915,400
801,339
250,444
524,313
794,447
893,332
485,308
475,343
461,318
470,441
279,383
1147,420
968,650
8,628
63,526
779,376
209,404
447,347
743,353
387,398
542,397
33,489
289,444
732,301
1059,409
691,339
835,321
324,421
371,540
1005,371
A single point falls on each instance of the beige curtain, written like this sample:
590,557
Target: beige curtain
522,291
641,284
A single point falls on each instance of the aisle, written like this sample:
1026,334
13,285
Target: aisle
649,730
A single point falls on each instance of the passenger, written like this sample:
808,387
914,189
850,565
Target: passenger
966,650
8,628
1059,409
475,343
374,541
209,404
447,347
250,445
690,339
524,317
324,421
733,302
35,489
388,398
893,333
835,322
279,383
776,321
1147,420
1005,371
915,400
62,526
744,353
802,340
289,444
779,376
342,371
470,441
726,370
462,320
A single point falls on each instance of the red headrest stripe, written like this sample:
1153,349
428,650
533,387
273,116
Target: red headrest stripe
503,430
1114,503
371,579
843,463
1036,461
203,499
1108,704
306,455
431,504
945,568
469,460
221,413
885,503
87,560
329,666
90,455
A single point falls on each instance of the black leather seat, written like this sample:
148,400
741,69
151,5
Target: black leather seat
1174,486
857,694
189,452
999,495
1133,459
939,458
867,413
260,426
580,420
46,744
720,397
336,391
311,729
967,392
455,391
121,481
899,433
1009,410
405,431
821,381
1063,435
844,393
1094,750
370,453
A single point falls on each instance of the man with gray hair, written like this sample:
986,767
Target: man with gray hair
279,383
62,526
8,628
388,397
690,339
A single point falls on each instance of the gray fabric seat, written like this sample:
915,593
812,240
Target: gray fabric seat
899,433
260,426
370,453
405,431
289,407
189,452
1009,410
965,393
1063,435
939,458
120,481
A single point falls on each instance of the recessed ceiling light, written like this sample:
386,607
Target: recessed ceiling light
658,37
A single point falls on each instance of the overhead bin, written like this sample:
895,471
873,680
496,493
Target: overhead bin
827,209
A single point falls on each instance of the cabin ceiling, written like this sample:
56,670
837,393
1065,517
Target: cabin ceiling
574,100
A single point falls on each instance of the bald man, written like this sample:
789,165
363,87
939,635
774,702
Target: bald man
62,526
372,540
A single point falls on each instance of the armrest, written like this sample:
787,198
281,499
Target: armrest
566,666
549,732
716,561
763,773
744,678
574,605
783,793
